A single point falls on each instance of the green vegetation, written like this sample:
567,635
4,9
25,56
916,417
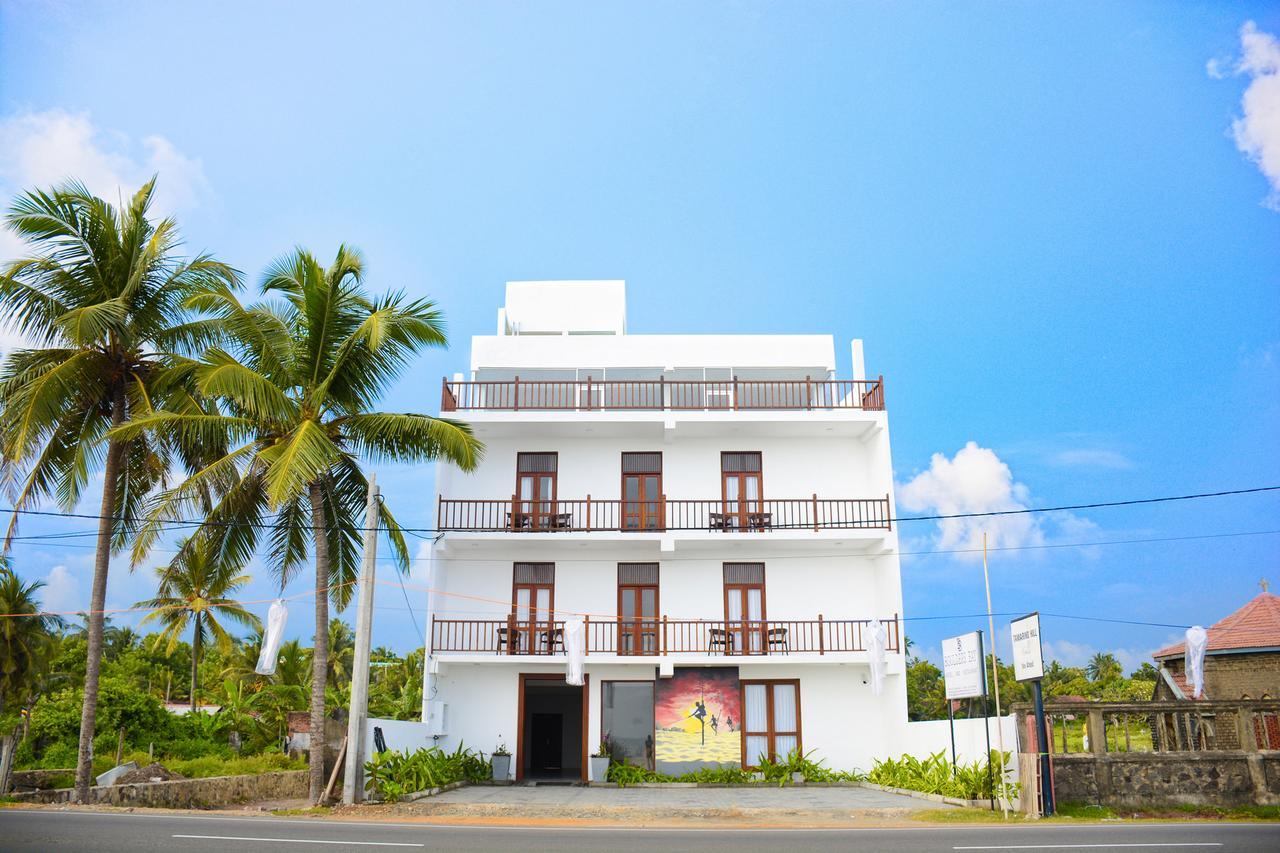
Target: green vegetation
392,775
141,365
778,772
935,775
1102,679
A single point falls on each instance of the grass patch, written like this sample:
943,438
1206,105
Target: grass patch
965,815
312,811
1084,811
249,765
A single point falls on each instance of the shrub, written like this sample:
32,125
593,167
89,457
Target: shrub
395,774
934,775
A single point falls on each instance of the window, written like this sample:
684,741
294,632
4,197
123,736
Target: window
741,491
533,598
642,491
638,608
626,719
744,608
770,719
536,491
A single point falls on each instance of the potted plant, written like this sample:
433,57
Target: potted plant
501,763
600,761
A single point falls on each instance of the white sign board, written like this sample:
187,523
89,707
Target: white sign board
1028,660
962,668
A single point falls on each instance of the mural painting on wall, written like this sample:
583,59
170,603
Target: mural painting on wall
698,719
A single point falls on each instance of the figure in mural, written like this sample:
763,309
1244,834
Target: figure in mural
715,725
728,722
700,714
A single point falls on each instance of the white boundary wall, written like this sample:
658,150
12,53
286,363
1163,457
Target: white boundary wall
926,737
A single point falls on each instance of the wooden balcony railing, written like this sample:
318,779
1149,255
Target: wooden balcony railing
611,514
662,394
657,637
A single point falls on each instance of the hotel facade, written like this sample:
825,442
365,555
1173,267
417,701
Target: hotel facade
718,511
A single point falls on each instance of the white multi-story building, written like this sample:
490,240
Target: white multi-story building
715,507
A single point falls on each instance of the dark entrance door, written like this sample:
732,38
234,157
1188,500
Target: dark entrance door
546,735
551,740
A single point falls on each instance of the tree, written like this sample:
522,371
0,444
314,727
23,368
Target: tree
195,590
1145,672
1104,667
298,377
102,300
26,646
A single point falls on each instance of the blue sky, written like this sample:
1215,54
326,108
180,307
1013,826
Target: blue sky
1037,216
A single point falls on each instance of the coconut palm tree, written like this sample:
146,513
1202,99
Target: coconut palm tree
102,303
195,591
299,377
26,646
1104,667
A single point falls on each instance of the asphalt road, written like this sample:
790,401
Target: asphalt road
45,830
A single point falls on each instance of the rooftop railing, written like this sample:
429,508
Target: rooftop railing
590,395
614,515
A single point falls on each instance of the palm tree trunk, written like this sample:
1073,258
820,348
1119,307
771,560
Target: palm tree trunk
97,600
195,662
320,652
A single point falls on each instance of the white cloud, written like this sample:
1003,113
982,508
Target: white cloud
43,149
1257,131
61,592
1091,458
975,480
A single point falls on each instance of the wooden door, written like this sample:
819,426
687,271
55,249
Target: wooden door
642,491
535,491
638,609
742,491
744,612
533,626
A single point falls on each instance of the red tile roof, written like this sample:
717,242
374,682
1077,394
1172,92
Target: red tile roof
1256,625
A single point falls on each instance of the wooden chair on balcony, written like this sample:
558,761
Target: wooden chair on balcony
509,644
719,639
553,640
777,639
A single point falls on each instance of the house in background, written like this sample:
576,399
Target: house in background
717,508
1242,660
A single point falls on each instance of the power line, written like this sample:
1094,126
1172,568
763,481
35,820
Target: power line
890,520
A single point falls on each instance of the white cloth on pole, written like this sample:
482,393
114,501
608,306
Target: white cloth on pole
875,652
1197,642
277,616
575,649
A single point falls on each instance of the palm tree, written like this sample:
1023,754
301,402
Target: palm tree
298,377
195,590
26,646
1103,667
102,302
342,651
292,664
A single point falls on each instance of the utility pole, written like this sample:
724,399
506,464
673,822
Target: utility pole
995,678
352,783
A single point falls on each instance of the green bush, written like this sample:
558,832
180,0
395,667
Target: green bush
202,768
934,775
392,774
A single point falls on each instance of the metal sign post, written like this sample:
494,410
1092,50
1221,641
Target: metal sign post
1028,665
964,677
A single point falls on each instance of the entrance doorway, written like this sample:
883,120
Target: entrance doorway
552,737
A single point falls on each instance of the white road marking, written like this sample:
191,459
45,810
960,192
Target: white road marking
1079,847
302,840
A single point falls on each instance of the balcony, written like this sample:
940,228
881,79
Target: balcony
661,637
677,395
618,516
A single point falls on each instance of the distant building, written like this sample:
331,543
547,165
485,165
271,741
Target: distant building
1242,660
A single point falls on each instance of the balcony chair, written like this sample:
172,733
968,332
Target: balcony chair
777,639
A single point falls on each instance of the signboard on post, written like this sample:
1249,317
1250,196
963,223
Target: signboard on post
963,672
1028,659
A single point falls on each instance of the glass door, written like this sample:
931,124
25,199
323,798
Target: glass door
642,491
533,627
535,507
744,609
638,609
741,492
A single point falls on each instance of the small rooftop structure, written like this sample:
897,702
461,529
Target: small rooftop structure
1254,627
564,308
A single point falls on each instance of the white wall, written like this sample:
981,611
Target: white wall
846,725
792,467
926,737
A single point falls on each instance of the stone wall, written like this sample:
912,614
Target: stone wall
1206,753
39,779
1154,780
189,793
